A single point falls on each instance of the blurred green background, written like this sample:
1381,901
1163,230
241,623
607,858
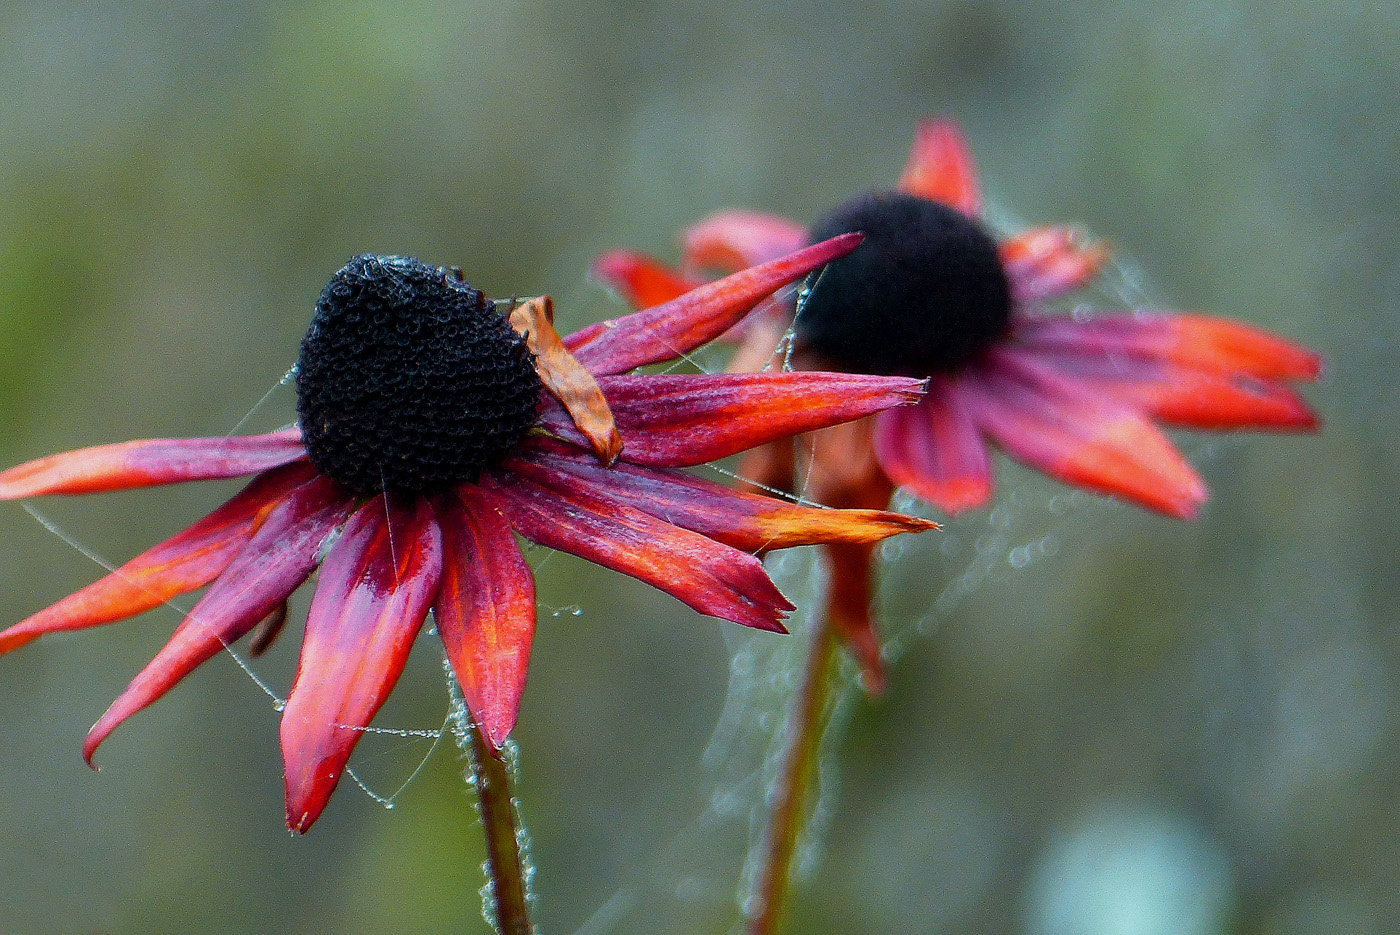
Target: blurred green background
1153,728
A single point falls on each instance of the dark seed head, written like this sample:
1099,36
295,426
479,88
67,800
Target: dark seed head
923,294
409,379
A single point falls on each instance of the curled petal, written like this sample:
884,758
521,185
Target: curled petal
941,167
708,576
150,462
1200,341
566,378
935,451
270,566
849,596
1187,396
1081,437
677,420
182,563
743,520
671,330
642,280
372,597
733,240
485,608
1048,262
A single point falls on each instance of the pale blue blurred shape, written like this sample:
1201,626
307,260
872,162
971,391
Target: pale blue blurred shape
1131,868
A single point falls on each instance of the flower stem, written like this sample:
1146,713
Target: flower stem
804,730
505,867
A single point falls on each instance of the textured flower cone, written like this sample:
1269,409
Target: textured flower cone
525,432
1078,398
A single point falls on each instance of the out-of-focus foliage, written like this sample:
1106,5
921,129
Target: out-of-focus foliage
1164,727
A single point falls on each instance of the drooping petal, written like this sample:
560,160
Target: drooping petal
1186,396
270,566
1201,341
374,591
485,608
708,576
569,381
733,240
941,167
150,462
642,281
668,331
1081,437
1047,262
182,563
935,451
678,420
745,521
841,469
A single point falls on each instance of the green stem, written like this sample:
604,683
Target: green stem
805,728
504,866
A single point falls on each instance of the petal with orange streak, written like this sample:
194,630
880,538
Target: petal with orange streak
1081,437
1047,262
706,575
1188,396
485,608
186,561
372,597
150,462
270,566
641,280
941,167
676,328
1201,341
935,451
743,520
678,420
733,240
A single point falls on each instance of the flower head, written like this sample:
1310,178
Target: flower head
433,428
932,293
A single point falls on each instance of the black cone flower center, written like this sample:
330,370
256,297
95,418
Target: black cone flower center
923,294
409,379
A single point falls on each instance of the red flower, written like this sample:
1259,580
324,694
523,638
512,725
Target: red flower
426,441
931,294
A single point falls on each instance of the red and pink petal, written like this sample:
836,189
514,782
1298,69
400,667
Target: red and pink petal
746,521
1082,438
485,608
678,420
1047,262
267,569
677,327
1200,341
641,280
734,240
941,167
187,561
710,577
374,592
935,451
150,462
